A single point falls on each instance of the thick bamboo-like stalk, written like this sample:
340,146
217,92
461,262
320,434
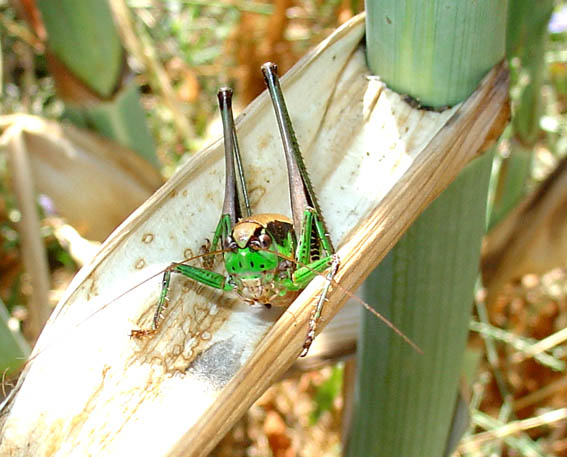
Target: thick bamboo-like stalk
375,162
405,402
422,48
436,52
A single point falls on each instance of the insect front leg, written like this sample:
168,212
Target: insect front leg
318,308
200,275
207,259
314,240
232,211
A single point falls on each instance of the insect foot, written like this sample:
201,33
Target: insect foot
142,334
318,308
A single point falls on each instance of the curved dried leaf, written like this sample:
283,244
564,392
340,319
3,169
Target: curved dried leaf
531,239
93,182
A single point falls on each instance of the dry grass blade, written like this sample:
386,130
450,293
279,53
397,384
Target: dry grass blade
541,346
375,162
33,251
512,428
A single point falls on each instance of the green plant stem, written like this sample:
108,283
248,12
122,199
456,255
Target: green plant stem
404,402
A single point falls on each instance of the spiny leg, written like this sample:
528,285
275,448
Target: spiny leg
200,275
162,305
232,209
303,276
232,205
302,195
312,238
318,309
312,224
207,261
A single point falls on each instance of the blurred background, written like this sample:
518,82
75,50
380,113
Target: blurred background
101,100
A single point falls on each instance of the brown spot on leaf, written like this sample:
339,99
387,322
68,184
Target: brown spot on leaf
265,141
256,194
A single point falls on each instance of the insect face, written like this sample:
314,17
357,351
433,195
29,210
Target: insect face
254,263
250,262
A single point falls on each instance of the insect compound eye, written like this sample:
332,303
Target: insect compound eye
265,240
229,243
262,241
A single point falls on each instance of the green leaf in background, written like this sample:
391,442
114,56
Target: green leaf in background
123,120
83,36
525,47
14,349
327,393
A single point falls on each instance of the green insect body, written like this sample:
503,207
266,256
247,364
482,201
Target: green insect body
267,257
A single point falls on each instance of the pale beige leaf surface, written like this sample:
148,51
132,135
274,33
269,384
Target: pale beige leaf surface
375,163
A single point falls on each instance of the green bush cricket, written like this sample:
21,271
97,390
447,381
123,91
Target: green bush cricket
267,256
